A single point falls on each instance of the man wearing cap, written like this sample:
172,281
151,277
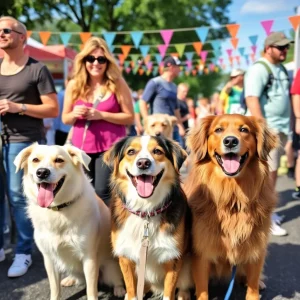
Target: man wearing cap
161,95
268,96
231,94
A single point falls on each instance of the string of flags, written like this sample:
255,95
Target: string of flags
196,61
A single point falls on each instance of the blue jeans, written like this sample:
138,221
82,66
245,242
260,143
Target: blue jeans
16,197
177,137
2,211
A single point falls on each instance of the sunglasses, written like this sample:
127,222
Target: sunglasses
282,48
91,59
9,30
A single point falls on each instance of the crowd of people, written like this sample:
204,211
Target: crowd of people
97,108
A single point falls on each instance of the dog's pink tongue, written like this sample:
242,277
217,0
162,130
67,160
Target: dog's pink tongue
144,186
231,163
45,196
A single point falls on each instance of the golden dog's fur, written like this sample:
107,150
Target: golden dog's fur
160,125
231,208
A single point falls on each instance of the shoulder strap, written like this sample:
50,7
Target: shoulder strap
261,62
270,77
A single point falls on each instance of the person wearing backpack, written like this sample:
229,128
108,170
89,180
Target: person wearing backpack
267,94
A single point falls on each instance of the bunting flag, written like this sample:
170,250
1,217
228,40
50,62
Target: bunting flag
203,55
121,59
295,21
254,48
221,60
180,49
253,39
84,36
141,71
158,58
166,35
127,70
189,64
136,37
229,52
234,42
233,29
134,58
109,38
29,33
125,50
147,59
155,70
202,33
45,36
162,50
144,50
216,44
65,37
189,55
267,25
198,47
242,51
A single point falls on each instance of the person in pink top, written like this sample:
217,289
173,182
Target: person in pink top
98,96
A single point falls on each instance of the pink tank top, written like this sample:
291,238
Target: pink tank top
100,134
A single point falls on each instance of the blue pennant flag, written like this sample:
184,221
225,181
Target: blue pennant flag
216,44
109,38
242,51
189,55
155,70
202,33
144,50
136,37
158,58
65,37
253,39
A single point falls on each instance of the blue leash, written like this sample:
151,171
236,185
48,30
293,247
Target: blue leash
231,284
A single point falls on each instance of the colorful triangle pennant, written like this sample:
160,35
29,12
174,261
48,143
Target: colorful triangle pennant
234,42
233,29
109,38
295,21
136,37
144,50
166,35
202,33
125,50
45,36
267,25
203,55
84,36
162,50
198,47
180,49
65,37
253,39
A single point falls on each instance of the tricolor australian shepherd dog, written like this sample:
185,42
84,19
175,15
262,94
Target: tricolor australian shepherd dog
146,188
231,199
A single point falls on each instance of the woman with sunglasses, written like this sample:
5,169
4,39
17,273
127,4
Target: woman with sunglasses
99,106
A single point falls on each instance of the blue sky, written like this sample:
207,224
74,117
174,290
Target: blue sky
249,14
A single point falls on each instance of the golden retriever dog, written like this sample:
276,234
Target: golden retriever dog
146,191
160,125
71,224
231,199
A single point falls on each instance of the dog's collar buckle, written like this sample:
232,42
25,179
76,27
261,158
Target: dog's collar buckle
61,206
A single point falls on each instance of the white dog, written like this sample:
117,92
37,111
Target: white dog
71,224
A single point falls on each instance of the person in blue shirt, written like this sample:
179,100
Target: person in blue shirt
161,95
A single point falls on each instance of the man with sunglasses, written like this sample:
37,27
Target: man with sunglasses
27,95
267,93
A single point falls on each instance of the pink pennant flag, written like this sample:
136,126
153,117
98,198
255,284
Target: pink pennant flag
211,67
267,25
189,64
128,69
254,48
166,35
149,65
221,60
229,52
203,55
162,50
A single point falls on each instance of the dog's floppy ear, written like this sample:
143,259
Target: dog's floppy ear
266,139
78,156
197,137
178,154
21,159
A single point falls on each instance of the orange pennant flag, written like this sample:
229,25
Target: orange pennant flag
81,47
147,59
295,21
175,54
84,36
234,42
141,71
132,64
231,59
121,58
125,49
198,47
29,33
233,29
194,72
45,35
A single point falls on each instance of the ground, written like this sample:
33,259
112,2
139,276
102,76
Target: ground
282,268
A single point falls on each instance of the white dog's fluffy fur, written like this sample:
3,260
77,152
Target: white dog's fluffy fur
75,239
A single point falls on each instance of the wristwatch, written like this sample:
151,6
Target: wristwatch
24,108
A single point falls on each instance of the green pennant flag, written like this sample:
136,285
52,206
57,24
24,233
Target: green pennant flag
135,57
135,69
180,48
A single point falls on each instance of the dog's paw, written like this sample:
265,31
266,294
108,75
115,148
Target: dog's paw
262,285
119,291
184,295
69,281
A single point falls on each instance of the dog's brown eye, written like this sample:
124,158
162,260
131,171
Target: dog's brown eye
35,160
243,129
58,160
157,151
219,130
131,152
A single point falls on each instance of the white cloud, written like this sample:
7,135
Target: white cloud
262,7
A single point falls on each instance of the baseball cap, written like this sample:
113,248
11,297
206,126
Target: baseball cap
171,61
236,72
277,39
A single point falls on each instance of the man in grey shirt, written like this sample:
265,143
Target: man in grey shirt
27,95
161,95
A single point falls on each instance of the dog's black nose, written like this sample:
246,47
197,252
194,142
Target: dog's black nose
42,173
143,163
230,141
158,133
